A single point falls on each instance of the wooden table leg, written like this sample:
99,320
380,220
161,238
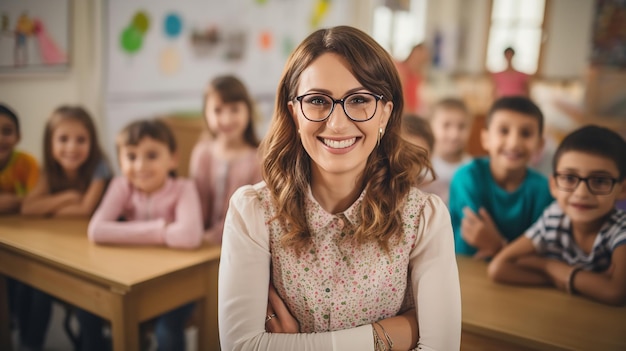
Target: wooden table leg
208,334
124,324
5,323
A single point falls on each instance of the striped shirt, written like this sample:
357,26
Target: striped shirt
553,238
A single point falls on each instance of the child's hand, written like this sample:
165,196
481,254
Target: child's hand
72,196
481,232
281,320
559,273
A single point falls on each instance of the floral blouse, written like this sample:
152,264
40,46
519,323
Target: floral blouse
337,288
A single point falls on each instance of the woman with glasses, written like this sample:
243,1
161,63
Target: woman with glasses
578,245
354,255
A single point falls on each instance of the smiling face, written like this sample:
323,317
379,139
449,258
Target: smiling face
147,165
511,139
227,121
581,205
337,145
71,144
451,128
9,137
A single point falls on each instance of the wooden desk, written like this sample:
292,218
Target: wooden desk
126,285
503,317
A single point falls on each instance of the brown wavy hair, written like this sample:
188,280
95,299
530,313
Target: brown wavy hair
232,90
391,169
55,175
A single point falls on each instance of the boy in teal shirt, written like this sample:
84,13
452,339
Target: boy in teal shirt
495,199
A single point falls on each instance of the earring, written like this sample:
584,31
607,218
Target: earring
380,136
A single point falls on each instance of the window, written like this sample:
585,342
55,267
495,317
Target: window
517,24
399,25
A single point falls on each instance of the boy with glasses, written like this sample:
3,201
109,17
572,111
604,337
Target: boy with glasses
579,243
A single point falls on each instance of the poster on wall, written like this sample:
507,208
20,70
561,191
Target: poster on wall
609,33
34,36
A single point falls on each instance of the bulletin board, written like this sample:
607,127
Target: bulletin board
34,36
157,47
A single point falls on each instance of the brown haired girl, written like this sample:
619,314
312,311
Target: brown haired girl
227,158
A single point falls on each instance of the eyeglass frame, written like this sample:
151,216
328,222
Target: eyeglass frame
342,102
585,180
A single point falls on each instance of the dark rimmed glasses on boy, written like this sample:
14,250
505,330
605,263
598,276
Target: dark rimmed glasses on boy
359,107
597,185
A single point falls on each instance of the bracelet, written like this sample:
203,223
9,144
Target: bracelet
379,344
569,285
386,335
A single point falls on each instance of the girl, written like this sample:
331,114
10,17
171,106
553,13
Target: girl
354,254
157,208
227,158
75,170
75,174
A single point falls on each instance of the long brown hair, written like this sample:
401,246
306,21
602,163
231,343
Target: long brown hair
55,175
231,90
392,168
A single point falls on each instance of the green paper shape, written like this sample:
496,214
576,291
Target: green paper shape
131,39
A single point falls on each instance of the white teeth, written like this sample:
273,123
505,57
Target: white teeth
339,144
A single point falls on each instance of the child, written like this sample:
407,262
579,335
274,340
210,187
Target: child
227,159
494,199
579,243
510,82
451,123
75,172
417,131
18,175
18,170
157,208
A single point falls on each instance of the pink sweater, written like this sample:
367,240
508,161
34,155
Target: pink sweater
171,216
216,181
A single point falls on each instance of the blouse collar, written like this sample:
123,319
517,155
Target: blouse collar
352,213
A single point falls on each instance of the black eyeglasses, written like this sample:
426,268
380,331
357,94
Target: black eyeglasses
359,107
597,185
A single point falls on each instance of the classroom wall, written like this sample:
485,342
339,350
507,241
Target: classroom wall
569,30
34,97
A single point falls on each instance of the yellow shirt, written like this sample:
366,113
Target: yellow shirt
20,174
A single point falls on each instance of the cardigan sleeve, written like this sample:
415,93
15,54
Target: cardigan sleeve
187,229
244,277
104,227
435,280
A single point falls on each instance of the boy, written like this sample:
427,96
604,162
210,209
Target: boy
451,123
18,170
494,200
579,243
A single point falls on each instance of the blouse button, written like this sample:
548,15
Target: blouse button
340,223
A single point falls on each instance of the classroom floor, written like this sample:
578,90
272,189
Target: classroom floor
57,339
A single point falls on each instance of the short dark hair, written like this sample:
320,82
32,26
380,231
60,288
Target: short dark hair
413,124
7,111
451,103
509,49
156,129
519,104
595,140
